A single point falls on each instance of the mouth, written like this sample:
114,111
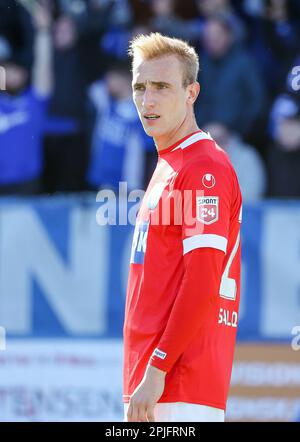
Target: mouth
151,117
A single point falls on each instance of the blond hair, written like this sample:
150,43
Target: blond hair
156,45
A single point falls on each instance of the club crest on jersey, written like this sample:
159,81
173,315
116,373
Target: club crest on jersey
207,209
208,180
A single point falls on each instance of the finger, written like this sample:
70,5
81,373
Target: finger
129,413
141,413
150,414
134,413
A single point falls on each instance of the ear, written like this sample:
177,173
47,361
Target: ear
193,91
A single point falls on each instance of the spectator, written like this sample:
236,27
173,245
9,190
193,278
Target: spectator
114,42
166,21
65,131
232,91
246,161
117,140
210,8
23,113
284,151
94,19
274,38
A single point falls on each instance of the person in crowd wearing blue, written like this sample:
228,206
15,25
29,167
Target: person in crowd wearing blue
23,106
118,143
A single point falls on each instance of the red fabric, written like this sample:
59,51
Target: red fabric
195,304
175,317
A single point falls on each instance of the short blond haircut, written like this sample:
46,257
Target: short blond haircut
156,45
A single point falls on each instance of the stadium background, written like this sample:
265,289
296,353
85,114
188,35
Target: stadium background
62,274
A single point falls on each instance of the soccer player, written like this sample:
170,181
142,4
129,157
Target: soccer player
184,280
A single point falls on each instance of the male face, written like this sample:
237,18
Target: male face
159,95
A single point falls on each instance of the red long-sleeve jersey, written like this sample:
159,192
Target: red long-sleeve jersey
184,281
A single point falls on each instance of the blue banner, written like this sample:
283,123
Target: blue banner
63,275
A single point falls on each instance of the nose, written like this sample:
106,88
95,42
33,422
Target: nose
148,101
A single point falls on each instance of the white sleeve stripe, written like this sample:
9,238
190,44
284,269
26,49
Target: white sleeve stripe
205,240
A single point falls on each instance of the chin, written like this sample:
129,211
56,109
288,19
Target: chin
149,131
153,131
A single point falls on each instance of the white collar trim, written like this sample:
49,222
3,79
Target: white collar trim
193,139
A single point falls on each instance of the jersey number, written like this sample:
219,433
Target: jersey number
228,285
207,212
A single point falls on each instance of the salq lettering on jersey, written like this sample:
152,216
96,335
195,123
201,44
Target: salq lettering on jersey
139,242
228,318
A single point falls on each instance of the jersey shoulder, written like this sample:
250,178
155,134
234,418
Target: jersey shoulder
206,154
207,166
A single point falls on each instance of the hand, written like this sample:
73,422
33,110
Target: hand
146,395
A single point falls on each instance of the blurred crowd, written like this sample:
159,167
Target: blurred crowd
67,120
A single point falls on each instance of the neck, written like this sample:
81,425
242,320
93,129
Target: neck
164,141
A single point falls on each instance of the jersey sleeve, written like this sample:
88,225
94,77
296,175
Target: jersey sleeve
194,302
205,224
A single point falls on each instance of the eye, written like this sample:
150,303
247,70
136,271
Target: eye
139,87
162,86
